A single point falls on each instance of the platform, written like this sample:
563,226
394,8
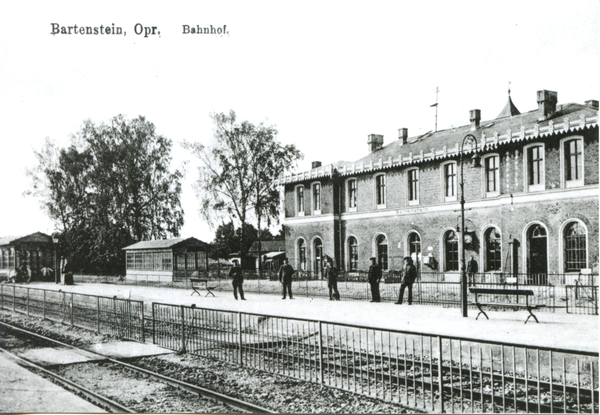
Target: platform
25,392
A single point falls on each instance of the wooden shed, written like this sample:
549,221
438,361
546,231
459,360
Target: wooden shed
176,258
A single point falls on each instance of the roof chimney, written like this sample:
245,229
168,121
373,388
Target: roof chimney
546,103
475,118
316,164
403,135
375,142
592,103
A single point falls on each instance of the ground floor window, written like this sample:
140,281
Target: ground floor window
382,252
451,251
353,253
575,247
493,250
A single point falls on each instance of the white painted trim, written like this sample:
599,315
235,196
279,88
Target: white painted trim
312,200
571,183
484,191
454,197
536,187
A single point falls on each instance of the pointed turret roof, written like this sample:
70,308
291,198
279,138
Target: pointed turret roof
509,110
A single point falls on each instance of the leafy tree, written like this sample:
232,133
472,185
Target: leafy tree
238,171
111,187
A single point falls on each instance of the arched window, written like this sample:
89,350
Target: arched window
451,251
382,251
352,254
318,257
301,255
537,255
493,250
575,247
414,246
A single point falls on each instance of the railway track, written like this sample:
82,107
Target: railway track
110,404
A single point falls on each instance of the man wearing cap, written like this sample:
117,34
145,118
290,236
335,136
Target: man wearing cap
374,278
285,278
235,273
331,276
410,275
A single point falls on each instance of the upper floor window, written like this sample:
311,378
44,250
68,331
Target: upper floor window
450,189
300,200
575,247
380,190
534,159
492,176
572,161
316,193
352,195
413,186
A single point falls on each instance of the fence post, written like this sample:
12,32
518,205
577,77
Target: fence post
321,352
182,329
240,337
441,377
14,299
72,305
143,325
98,315
27,301
2,296
153,326
44,306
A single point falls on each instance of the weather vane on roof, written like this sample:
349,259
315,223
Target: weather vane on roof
436,105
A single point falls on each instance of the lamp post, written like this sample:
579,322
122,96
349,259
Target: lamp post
463,276
56,262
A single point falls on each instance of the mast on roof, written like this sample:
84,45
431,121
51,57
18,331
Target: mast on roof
436,106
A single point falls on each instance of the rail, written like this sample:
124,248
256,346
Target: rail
424,371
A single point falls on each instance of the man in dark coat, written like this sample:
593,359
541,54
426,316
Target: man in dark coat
410,275
472,269
331,275
285,278
374,278
235,273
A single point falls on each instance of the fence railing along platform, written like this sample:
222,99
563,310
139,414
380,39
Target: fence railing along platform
119,317
423,371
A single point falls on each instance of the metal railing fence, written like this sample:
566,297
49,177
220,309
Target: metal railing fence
433,288
422,371
123,318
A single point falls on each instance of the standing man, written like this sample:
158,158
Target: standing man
374,278
235,273
410,275
285,278
331,275
472,269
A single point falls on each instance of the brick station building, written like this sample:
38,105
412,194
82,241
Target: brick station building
531,208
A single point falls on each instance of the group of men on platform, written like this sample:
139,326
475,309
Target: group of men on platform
374,278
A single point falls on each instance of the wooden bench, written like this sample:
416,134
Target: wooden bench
198,281
507,292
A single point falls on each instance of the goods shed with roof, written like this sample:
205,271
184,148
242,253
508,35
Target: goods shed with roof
177,259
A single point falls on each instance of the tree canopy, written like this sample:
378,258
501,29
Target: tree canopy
110,188
237,173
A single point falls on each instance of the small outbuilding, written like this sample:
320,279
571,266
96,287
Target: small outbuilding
272,254
177,259
34,254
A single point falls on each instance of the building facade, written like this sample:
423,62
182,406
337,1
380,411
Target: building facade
530,208
36,252
174,259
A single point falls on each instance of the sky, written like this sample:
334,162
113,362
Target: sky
327,74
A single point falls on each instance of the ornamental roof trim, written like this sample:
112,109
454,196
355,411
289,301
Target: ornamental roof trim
445,144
